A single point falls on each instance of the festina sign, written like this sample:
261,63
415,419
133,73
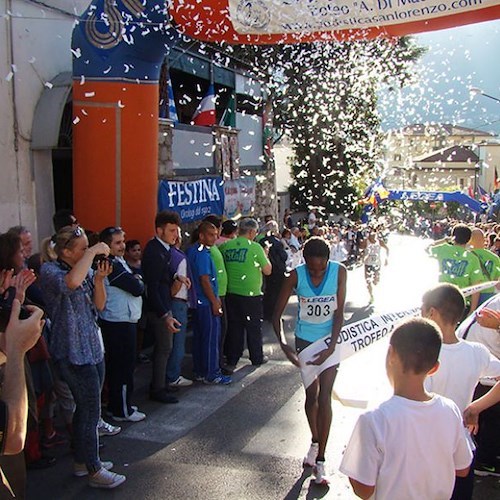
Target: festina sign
192,200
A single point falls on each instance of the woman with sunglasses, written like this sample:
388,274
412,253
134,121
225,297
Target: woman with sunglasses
74,294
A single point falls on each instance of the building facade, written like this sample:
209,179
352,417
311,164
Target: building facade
441,156
38,120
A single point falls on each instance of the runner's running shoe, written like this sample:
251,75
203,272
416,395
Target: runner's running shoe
310,458
319,472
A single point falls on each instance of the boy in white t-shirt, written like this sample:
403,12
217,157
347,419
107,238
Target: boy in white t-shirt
462,363
412,445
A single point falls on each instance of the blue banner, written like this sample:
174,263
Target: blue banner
443,196
192,200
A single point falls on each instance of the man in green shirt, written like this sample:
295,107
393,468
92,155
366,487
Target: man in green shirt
456,264
246,262
490,262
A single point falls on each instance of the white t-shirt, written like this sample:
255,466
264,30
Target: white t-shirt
182,271
461,366
489,337
408,449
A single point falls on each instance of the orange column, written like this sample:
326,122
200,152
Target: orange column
115,156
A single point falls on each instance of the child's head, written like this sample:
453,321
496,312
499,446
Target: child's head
416,343
444,303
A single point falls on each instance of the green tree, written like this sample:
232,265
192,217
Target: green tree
325,98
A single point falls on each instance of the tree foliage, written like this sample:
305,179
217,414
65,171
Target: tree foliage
325,101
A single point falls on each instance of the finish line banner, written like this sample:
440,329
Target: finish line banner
352,339
479,288
359,335
291,16
192,200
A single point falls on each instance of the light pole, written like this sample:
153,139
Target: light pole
475,91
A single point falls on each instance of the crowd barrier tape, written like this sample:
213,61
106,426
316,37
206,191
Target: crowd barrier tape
355,337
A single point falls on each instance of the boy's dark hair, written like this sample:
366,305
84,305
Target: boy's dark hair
167,217
417,342
461,234
448,300
213,219
316,247
62,218
131,244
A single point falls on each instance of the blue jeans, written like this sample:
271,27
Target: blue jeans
179,312
85,383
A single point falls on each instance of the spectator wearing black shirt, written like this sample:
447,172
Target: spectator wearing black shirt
277,256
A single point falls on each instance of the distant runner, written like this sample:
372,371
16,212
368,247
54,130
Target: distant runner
373,260
321,289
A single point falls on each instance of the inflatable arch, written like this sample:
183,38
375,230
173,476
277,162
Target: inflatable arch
119,46
118,49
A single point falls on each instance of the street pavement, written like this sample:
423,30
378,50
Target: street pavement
247,440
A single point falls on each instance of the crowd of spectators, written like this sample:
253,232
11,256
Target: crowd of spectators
100,293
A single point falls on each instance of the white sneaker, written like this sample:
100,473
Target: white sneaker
80,470
106,479
181,382
106,429
310,458
135,416
319,472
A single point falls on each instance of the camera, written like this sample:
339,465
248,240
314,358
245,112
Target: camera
100,258
6,310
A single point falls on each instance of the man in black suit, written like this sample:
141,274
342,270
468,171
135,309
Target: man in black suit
158,280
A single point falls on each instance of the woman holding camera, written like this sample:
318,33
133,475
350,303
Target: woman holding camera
74,294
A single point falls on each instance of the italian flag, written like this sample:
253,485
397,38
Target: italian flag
205,113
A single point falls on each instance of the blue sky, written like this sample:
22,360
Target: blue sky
457,58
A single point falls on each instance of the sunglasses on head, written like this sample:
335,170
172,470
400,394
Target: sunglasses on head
76,233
